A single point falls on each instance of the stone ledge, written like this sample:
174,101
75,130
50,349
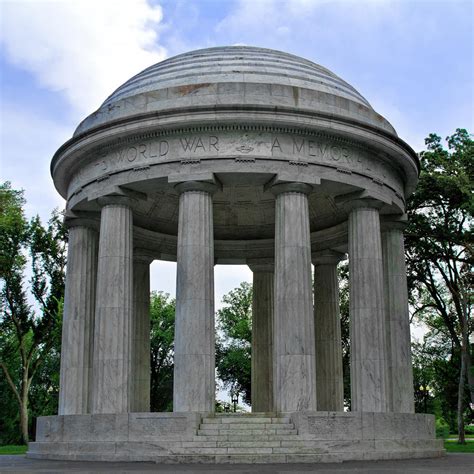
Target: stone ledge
248,458
176,437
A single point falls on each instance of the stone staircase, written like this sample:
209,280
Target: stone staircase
248,438
234,427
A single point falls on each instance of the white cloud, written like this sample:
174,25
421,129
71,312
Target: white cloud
83,49
27,143
226,278
163,277
324,20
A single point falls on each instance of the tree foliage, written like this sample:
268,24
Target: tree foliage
234,339
30,331
440,252
435,378
343,274
162,316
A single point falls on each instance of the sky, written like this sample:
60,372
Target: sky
59,60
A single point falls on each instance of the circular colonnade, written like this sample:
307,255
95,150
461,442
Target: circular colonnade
236,155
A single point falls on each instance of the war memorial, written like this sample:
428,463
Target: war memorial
237,155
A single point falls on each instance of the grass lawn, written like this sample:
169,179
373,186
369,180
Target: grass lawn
13,449
452,446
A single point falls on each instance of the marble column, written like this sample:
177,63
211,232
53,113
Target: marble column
140,398
114,308
397,320
262,337
194,352
293,343
327,327
78,319
366,306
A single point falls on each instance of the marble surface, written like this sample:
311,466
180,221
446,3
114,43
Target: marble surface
114,311
262,338
305,437
78,321
397,323
194,352
327,327
369,374
224,166
140,335
293,346
234,75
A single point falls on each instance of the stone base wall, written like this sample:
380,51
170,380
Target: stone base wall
247,438
364,426
116,428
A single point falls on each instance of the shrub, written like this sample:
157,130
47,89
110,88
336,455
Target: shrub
442,428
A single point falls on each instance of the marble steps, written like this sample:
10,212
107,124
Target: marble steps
255,438
248,432
244,429
237,427
245,419
230,438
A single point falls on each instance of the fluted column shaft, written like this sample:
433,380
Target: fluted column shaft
140,400
294,352
194,353
114,309
366,307
327,326
400,371
78,321
262,334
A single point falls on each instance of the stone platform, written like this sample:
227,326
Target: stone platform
243,438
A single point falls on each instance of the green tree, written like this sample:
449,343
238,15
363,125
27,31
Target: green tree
29,334
234,340
435,377
439,249
162,315
343,273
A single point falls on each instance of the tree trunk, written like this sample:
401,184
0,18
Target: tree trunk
465,367
470,372
24,411
462,375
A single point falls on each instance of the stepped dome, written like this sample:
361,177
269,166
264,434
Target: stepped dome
235,76
245,98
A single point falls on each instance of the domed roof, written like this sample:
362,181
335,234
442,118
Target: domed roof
235,75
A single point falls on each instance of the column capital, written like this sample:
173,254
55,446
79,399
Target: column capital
327,257
115,200
73,219
142,256
393,222
360,199
261,265
205,186
290,187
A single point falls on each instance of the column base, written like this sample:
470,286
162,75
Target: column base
236,438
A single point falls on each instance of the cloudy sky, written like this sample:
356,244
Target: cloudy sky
413,61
